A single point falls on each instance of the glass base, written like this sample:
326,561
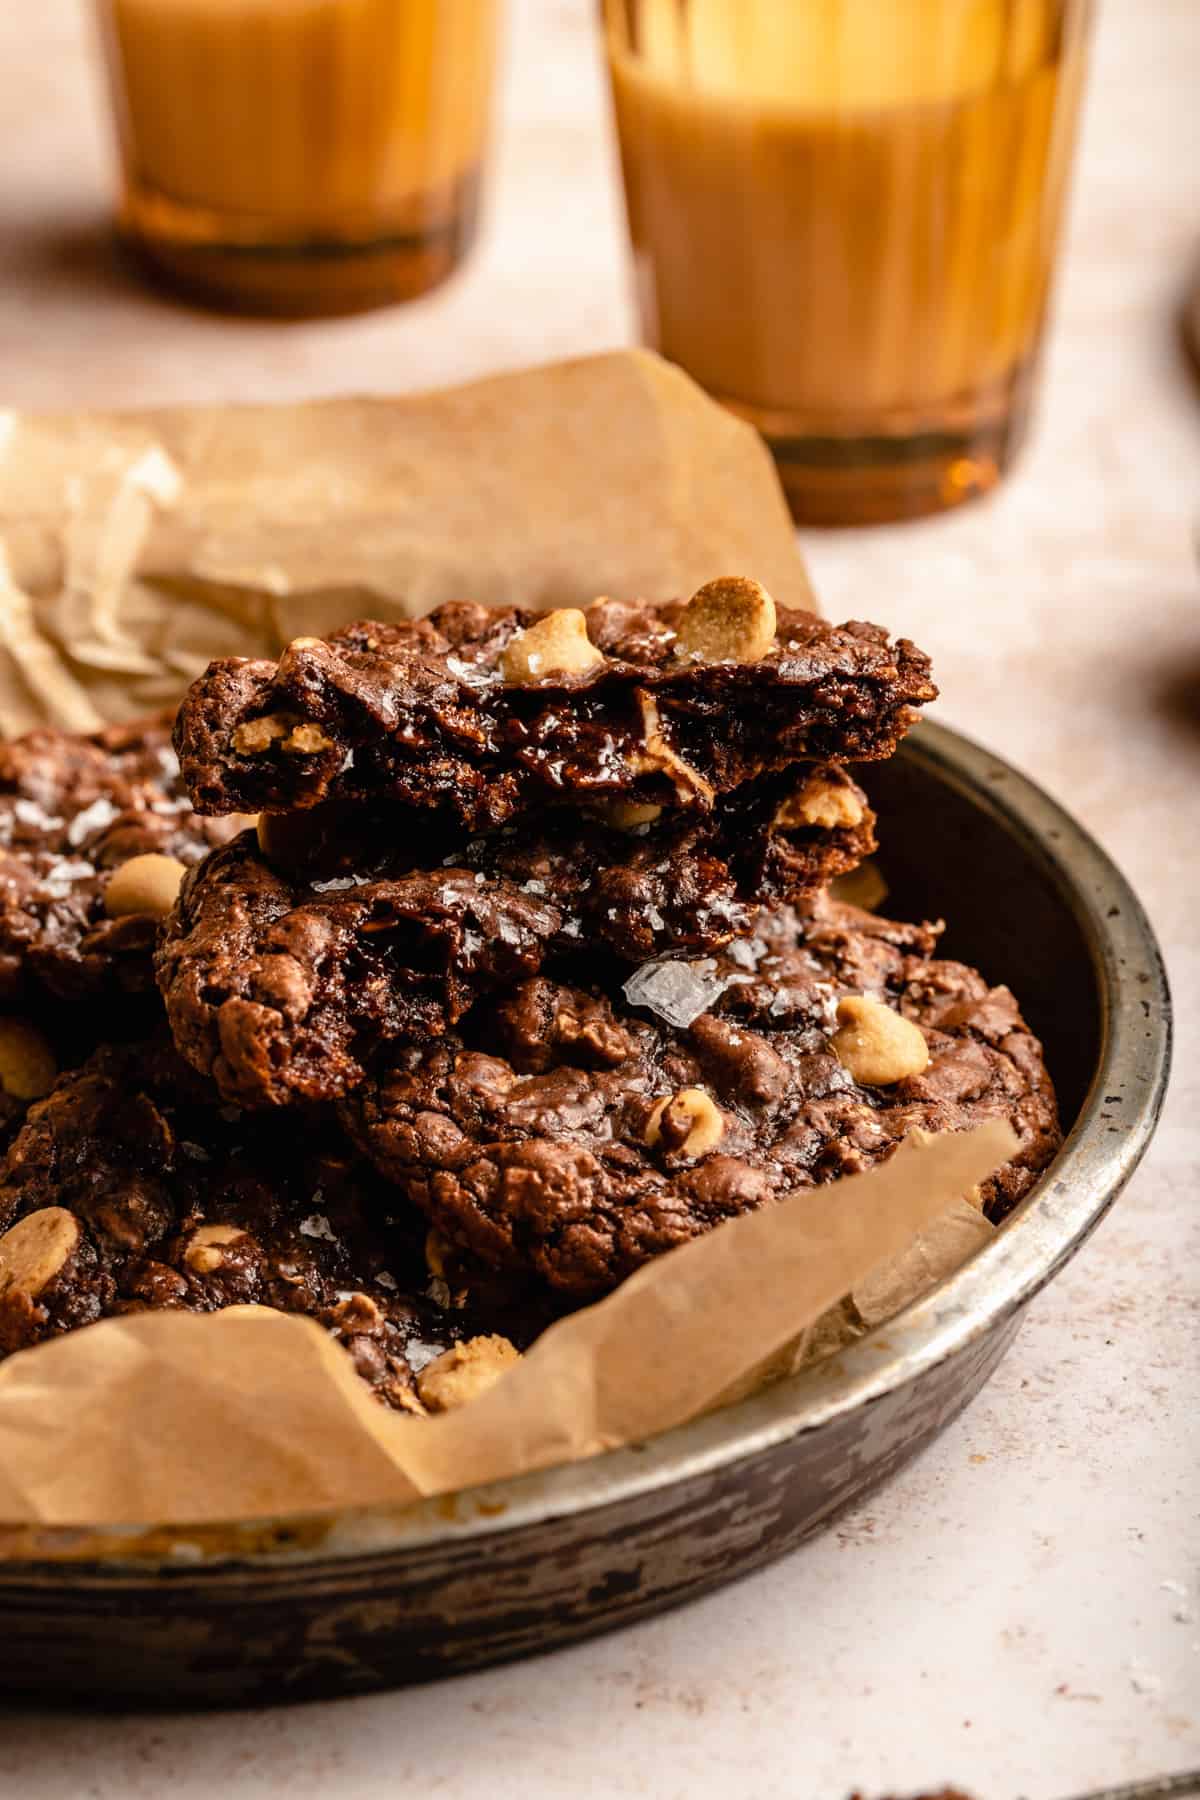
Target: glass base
890,475
208,258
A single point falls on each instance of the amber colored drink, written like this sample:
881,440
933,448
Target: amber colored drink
844,216
300,156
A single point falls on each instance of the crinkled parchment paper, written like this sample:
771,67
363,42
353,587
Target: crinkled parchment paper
249,1412
135,547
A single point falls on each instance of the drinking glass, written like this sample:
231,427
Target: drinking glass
844,217
300,156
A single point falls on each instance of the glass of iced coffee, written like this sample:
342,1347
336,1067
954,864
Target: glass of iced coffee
300,156
844,216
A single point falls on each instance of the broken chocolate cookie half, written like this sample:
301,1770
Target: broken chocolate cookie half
297,953
491,713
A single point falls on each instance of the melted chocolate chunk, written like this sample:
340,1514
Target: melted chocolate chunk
421,713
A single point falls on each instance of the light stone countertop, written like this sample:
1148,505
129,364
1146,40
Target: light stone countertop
1017,1611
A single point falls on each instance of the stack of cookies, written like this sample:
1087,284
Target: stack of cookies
527,971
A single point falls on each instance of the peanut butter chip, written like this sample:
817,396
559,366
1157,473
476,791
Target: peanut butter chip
821,803
436,1251
654,756
206,1251
692,1120
465,1372
34,1250
306,740
287,837
731,619
557,645
27,1063
144,884
627,815
876,1045
257,735
863,887
356,1313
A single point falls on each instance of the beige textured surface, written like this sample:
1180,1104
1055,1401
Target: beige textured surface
1018,1611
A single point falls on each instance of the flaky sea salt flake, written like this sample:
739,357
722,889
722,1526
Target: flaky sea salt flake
95,817
677,991
317,1226
37,818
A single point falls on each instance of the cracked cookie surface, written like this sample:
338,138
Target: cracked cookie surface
578,1138
76,812
128,1190
443,712
281,982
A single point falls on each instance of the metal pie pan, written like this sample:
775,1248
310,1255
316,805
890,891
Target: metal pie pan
266,1610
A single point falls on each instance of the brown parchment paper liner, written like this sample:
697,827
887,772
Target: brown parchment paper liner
251,1413
134,547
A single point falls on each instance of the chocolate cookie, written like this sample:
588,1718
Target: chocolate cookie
492,712
127,1190
564,1134
281,984
73,812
